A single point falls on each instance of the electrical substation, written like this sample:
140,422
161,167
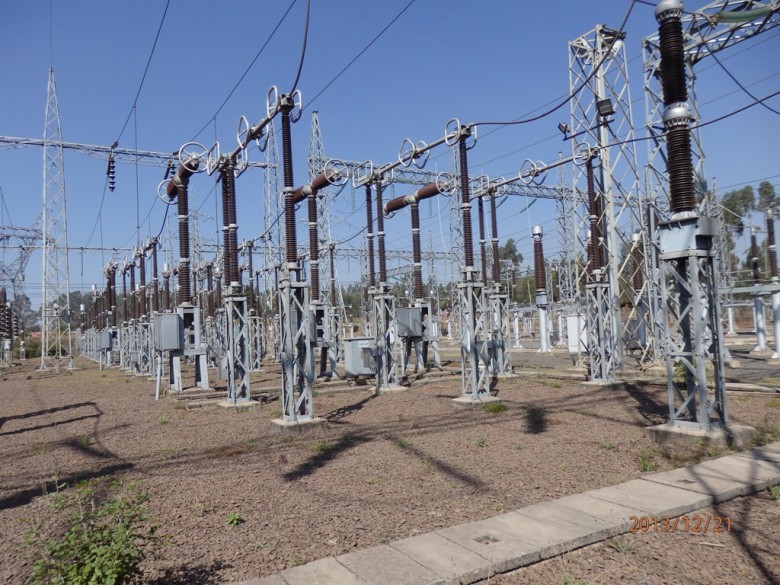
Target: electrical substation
632,281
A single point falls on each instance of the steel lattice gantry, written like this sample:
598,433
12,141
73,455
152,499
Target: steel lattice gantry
602,132
55,319
689,277
22,242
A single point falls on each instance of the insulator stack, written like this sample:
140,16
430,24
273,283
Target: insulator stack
289,206
218,290
142,285
166,300
185,291
770,240
540,276
638,258
314,248
676,113
209,290
155,281
494,241
754,256
465,206
370,237
235,275
111,173
380,233
416,252
595,262
332,247
482,241
250,246
133,294
125,315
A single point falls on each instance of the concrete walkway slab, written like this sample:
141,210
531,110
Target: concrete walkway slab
322,572
382,565
723,479
477,550
653,499
450,561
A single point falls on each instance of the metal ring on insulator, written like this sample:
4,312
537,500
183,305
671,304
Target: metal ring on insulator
242,134
540,173
193,152
297,110
473,138
212,159
272,101
162,192
452,130
445,184
241,163
387,178
262,140
582,153
405,157
527,171
363,173
336,172
419,160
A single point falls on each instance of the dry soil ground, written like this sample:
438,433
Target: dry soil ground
384,468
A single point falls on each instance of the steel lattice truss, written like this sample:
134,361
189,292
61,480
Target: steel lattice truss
597,60
18,242
55,325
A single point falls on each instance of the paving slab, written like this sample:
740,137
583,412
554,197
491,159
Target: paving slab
452,563
652,498
507,541
770,452
382,565
271,580
327,571
723,479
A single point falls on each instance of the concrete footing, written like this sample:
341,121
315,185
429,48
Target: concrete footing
674,436
393,388
466,402
296,427
229,405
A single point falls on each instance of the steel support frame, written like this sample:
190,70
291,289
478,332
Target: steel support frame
473,347
297,352
238,342
618,181
601,359
501,360
386,336
694,339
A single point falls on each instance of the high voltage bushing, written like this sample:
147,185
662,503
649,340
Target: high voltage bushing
153,243
494,238
331,247
754,256
676,114
482,241
540,276
370,237
133,293
380,235
217,288
166,300
595,258
770,240
177,189
142,284
291,237
125,315
209,290
426,192
468,244
638,258
230,241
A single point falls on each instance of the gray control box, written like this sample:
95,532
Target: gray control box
409,321
104,340
359,357
168,332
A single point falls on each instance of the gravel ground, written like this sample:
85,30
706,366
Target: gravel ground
384,468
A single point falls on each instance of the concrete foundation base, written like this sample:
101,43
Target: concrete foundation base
671,436
292,427
393,388
228,405
733,364
472,402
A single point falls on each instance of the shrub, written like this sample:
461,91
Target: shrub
103,538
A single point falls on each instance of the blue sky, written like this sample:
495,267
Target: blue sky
490,60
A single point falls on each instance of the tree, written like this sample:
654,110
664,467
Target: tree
22,308
736,206
767,198
509,252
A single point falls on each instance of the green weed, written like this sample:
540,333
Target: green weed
494,407
235,519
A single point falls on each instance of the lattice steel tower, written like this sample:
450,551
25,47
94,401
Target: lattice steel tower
55,319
